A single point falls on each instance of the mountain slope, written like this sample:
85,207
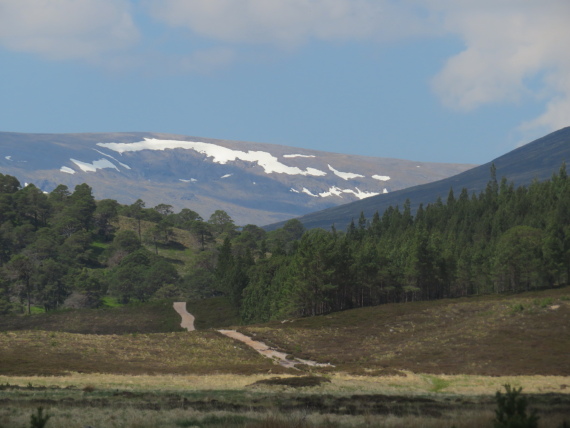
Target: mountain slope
536,160
255,183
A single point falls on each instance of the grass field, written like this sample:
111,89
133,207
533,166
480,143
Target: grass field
245,401
424,364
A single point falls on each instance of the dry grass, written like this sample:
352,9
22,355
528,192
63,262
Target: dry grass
228,401
487,335
340,383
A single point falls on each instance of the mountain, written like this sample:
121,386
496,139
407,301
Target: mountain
255,183
537,160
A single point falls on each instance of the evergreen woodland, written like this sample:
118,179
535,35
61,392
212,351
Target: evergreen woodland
64,249
504,239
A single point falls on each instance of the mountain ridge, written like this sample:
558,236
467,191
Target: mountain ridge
538,159
255,183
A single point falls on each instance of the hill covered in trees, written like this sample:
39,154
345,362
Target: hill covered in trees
504,239
65,249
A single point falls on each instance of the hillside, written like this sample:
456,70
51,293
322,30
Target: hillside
495,335
522,334
537,160
255,183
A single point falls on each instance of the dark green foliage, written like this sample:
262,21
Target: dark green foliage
5,304
54,247
502,240
39,420
222,224
9,184
126,241
107,210
505,239
294,382
141,274
512,410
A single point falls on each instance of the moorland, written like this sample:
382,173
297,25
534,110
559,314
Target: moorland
422,317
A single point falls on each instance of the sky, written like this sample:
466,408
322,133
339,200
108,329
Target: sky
460,81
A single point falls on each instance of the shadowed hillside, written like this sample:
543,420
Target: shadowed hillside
537,160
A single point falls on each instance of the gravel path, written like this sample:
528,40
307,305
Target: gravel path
187,318
268,352
262,348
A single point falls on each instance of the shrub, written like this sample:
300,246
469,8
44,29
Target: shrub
39,420
511,410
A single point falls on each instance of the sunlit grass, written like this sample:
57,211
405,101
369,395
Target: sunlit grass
111,302
228,400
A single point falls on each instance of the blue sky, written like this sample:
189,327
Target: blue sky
429,80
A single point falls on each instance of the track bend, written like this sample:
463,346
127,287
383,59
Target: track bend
187,318
262,348
266,351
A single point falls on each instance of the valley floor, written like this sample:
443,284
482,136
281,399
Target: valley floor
423,364
340,400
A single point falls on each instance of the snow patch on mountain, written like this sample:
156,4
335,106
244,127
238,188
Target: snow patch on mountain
345,175
336,191
298,156
361,194
92,167
109,156
308,192
333,191
226,176
219,154
8,158
381,177
192,180
67,170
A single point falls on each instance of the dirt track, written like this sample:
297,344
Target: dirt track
268,352
187,318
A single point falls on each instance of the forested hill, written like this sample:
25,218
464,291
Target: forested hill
536,160
66,249
504,239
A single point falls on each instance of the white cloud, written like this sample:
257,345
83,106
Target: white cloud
290,22
514,51
66,29
557,114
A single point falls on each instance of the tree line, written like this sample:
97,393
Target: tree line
504,239
66,249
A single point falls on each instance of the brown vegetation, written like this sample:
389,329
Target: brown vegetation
488,335
44,353
153,317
